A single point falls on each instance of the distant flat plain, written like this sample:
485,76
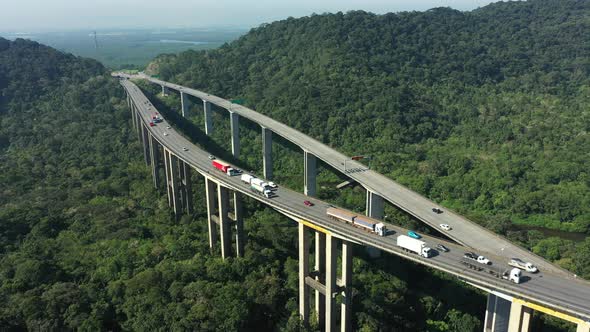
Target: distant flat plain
127,48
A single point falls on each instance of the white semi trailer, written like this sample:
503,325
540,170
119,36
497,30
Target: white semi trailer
414,245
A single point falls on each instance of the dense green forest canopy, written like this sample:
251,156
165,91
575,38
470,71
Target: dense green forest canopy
485,111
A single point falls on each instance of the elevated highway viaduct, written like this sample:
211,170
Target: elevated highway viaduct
509,305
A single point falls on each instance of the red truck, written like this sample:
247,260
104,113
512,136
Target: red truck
225,168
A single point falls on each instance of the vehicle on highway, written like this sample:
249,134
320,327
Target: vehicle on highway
414,235
442,248
478,258
445,227
356,220
512,275
483,260
414,245
470,255
225,168
519,263
261,190
272,185
211,157
308,203
152,124
184,148
437,210
167,127
165,134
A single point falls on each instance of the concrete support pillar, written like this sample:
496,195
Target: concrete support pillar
175,184
186,191
320,275
520,318
207,114
303,273
239,221
155,161
165,90
132,108
374,205
497,314
224,223
331,267
346,278
211,211
235,133
309,164
168,172
184,103
583,327
267,153
146,144
138,124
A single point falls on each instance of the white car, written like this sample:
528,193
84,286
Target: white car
483,260
165,134
272,185
167,127
446,227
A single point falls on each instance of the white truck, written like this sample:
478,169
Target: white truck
261,190
519,263
512,275
260,182
414,245
246,178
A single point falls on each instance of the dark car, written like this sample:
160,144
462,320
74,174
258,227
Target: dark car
437,210
308,203
470,255
442,248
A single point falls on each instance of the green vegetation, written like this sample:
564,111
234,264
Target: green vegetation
484,111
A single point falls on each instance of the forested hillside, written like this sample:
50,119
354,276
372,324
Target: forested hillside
485,111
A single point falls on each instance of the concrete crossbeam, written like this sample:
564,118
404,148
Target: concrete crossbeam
207,115
234,119
267,153
310,163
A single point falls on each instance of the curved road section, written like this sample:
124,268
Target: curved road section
544,288
463,231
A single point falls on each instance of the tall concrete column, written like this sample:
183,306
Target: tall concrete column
211,210
165,90
224,224
168,176
520,318
187,193
138,124
374,205
239,221
497,314
207,114
309,163
267,153
320,275
583,327
155,161
184,103
303,273
235,133
133,115
346,278
146,144
331,267
175,185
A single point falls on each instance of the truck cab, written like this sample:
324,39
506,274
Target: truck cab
426,252
512,275
380,229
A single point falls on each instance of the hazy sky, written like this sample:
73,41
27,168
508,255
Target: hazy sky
31,15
